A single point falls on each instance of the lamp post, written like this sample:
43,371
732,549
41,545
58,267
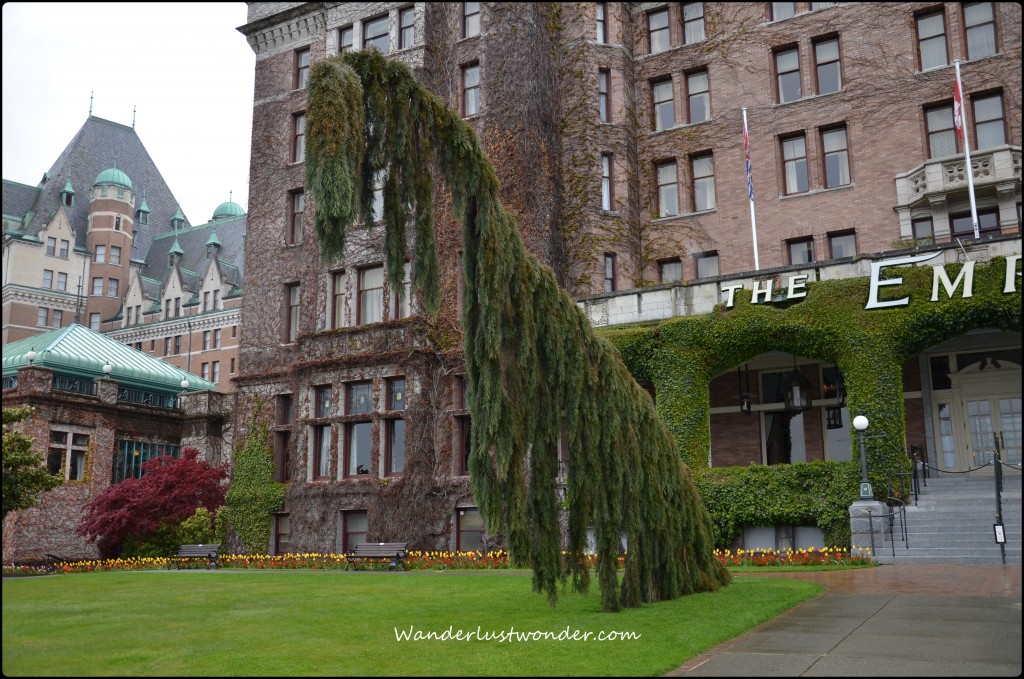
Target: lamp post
31,355
184,385
106,369
860,423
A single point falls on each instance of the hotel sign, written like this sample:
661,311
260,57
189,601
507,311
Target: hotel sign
796,285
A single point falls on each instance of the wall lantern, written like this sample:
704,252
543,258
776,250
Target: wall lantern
746,398
834,417
106,369
184,385
797,391
31,355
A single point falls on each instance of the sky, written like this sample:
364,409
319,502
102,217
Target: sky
183,66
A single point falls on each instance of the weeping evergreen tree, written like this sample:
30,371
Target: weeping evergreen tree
534,366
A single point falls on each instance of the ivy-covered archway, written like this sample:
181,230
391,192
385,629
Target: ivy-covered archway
831,324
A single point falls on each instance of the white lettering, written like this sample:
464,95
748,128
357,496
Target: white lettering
730,291
1010,285
797,283
966,275
876,283
765,292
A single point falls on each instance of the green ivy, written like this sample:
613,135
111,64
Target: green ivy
682,355
253,495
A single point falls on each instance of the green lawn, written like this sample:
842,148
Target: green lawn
330,623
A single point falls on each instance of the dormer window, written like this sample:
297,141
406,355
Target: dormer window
68,199
143,217
117,223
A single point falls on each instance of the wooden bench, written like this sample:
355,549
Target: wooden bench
209,552
394,552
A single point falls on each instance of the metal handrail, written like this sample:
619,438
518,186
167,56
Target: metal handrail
148,398
74,385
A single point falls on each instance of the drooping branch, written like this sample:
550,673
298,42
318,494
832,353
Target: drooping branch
534,366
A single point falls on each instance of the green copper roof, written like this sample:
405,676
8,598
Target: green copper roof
178,214
176,249
67,187
113,176
79,352
228,209
213,240
144,207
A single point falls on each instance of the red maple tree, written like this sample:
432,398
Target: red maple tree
169,491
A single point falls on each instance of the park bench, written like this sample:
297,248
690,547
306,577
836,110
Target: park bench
393,552
209,552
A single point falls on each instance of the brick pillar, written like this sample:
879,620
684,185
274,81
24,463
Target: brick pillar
106,389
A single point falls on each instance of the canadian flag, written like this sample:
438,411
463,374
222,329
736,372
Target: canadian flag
958,110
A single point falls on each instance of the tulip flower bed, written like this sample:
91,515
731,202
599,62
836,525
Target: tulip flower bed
435,560
828,556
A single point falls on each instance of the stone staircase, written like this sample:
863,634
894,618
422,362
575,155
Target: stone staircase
952,523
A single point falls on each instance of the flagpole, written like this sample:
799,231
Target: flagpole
750,189
969,169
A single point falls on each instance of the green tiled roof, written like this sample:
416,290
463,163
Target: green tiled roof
79,352
113,176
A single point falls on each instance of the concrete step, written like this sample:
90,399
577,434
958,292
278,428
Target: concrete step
887,558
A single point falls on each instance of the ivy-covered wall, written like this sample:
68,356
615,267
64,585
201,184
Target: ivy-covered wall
680,357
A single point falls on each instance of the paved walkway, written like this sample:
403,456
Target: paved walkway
897,620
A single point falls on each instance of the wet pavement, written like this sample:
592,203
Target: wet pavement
894,620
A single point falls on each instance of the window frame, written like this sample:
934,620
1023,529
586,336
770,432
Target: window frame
42,317
934,134
658,105
836,236
97,286
819,64
918,18
651,31
705,93
95,321
48,279
471,18
780,74
803,240
404,41
338,283
473,66
292,300
62,281
99,255
361,306
65,246
296,211
694,179
983,231
993,23
322,434
774,6
115,255
688,22
347,515
607,182
302,63
983,96
601,22
796,160
666,186
826,154
604,101
459,530
708,256
349,32
611,273
368,41
299,137
51,246
672,261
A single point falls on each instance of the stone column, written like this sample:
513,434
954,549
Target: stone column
861,526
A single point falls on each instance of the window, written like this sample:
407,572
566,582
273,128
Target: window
100,256
371,295
234,331
783,10
322,451
299,144
216,339
117,219
609,272
205,372
358,398
703,182
129,319
670,270
931,40
923,230
47,278
989,130
837,160
981,29
232,366
345,37
396,393
606,181
94,322
406,27
62,281
657,31
338,299
97,285
801,251
401,302
394,440
323,397
603,78
668,190
471,90
206,340
826,54
64,245
693,22
698,97
296,206
129,456
112,285
216,298
57,318
43,317
375,34
787,69
177,344
822,5
794,155
707,265
842,244
602,30
470,19
206,300
177,306
469,530
988,224
284,414
167,346
282,530
462,424
115,255
353,526
664,105
291,331
67,451
941,135
301,68
51,247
